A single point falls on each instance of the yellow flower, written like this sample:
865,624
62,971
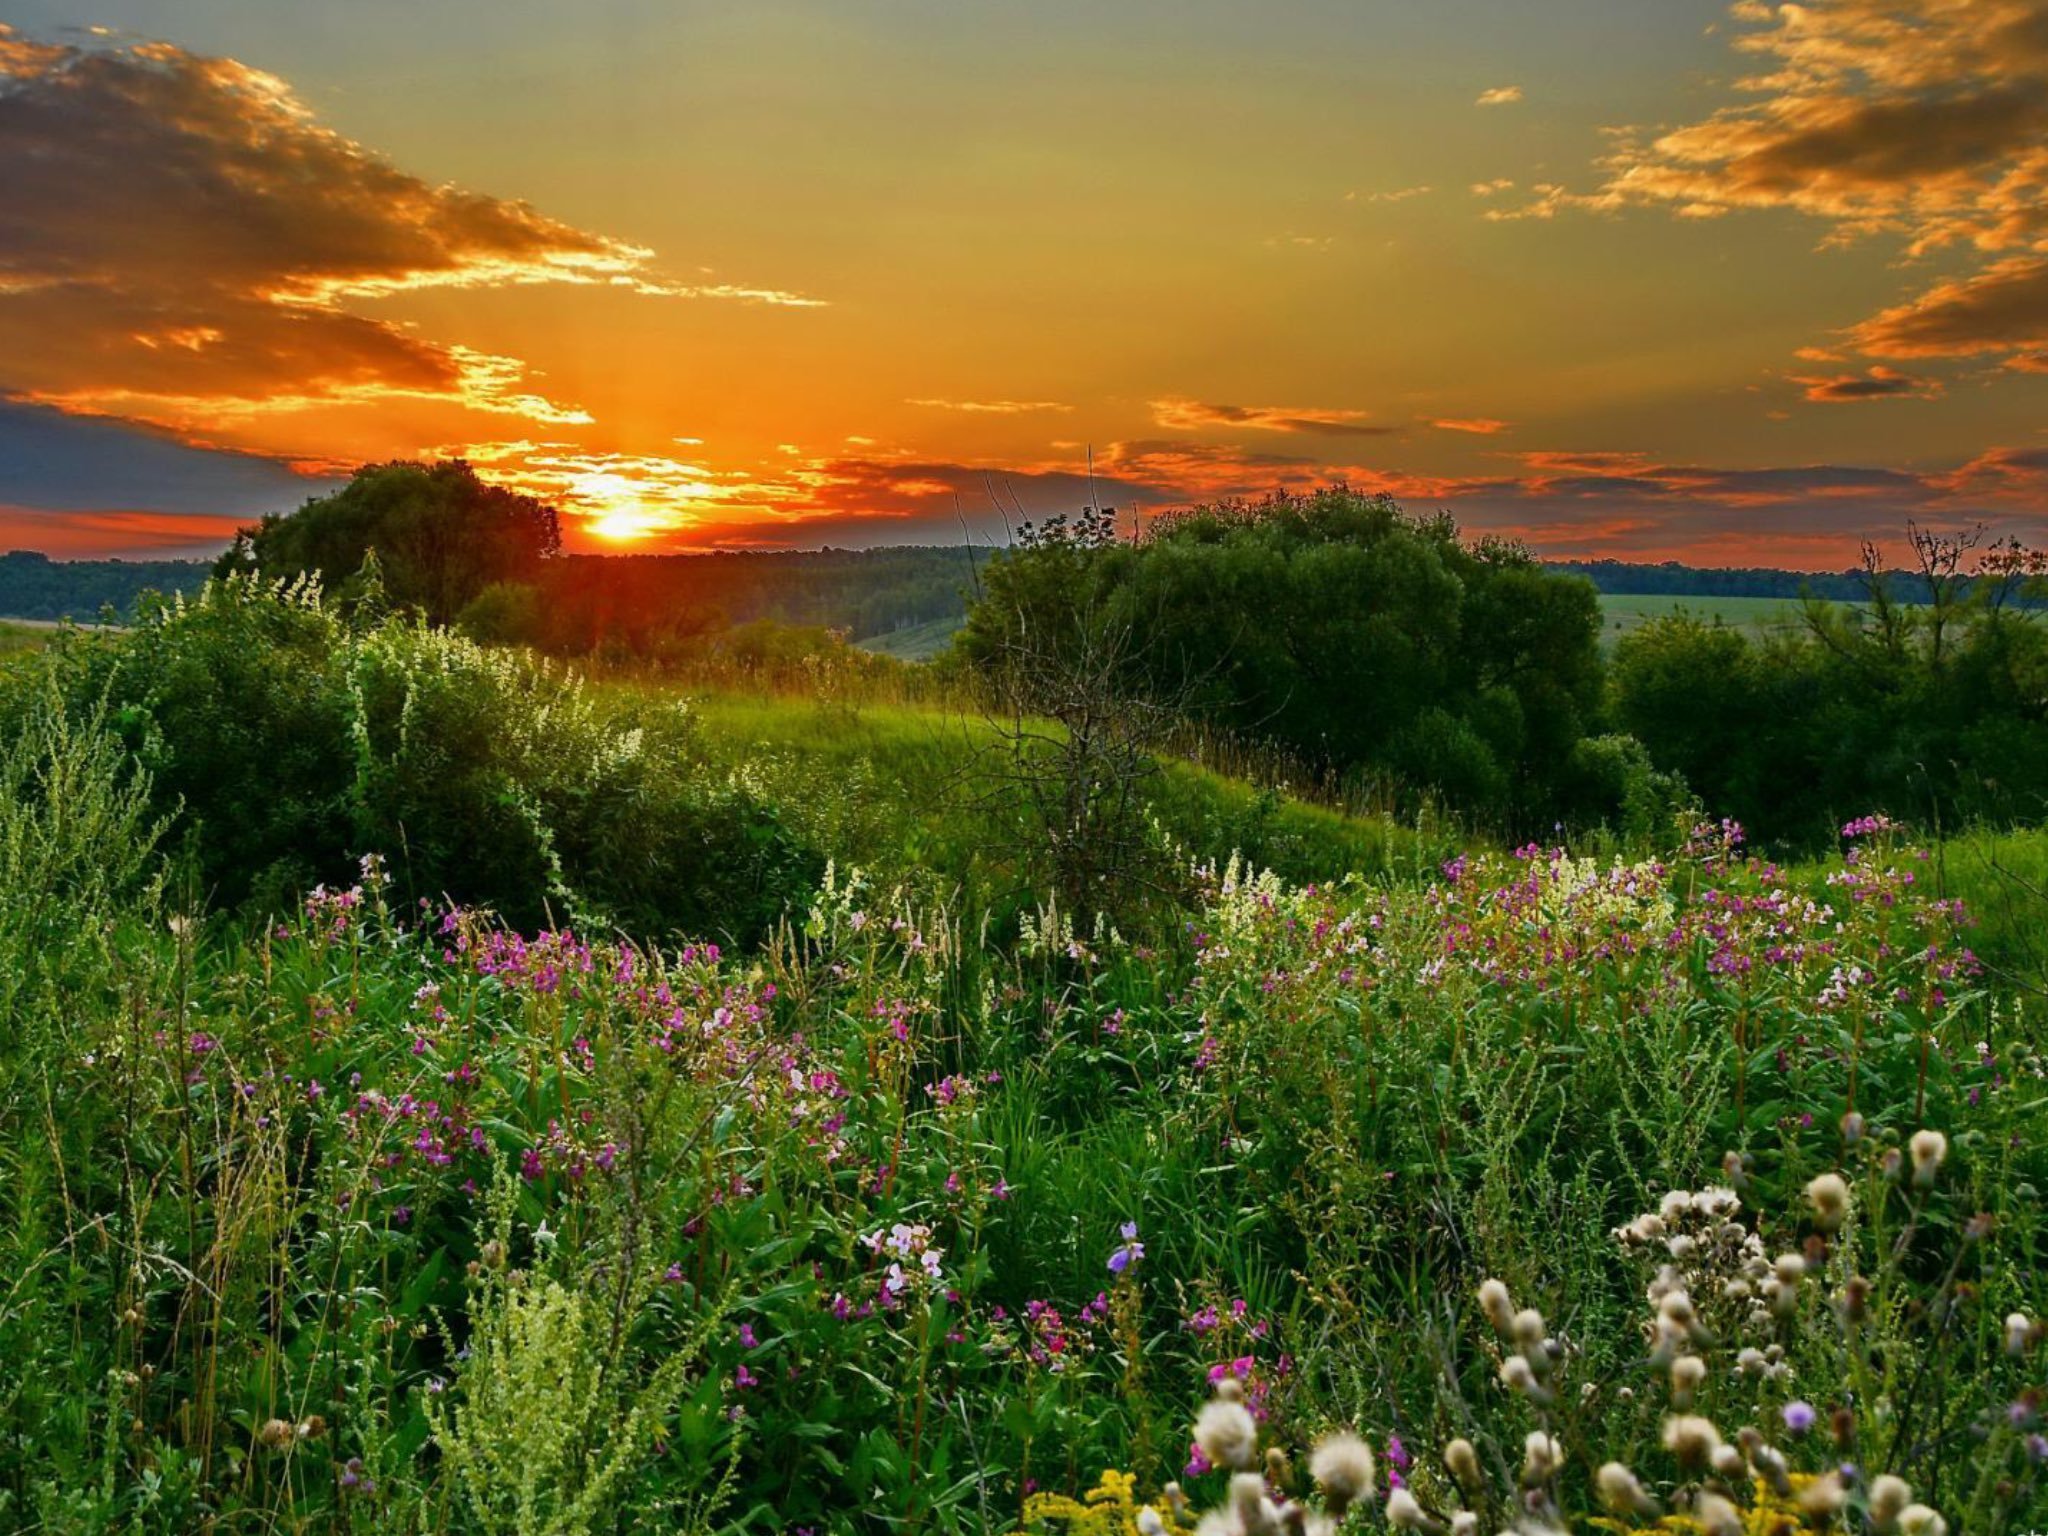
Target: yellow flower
1110,1508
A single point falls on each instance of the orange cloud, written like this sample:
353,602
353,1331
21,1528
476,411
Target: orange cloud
1878,383
181,240
992,407
1925,120
1500,96
1181,415
1482,426
2004,307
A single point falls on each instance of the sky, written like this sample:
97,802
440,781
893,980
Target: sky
1730,284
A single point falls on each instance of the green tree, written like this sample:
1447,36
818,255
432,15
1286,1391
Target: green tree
442,535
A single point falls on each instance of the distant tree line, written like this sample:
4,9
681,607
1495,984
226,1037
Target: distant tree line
33,586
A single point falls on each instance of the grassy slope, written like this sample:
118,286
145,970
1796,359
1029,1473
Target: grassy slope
1621,613
920,642
889,784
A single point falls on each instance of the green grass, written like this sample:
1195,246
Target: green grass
894,786
920,642
17,636
1622,612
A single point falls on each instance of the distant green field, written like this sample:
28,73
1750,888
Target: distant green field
920,642
17,636
1624,612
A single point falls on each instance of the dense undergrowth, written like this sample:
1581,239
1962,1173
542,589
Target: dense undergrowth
379,1210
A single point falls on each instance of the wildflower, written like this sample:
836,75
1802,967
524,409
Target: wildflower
1852,1128
275,1433
1529,1331
1716,1516
1149,1523
1404,1514
1225,1432
1541,1457
1620,1491
1131,1251
1255,1514
1889,1497
1687,1372
1499,1310
2019,1333
1463,1460
1517,1376
1829,1196
1929,1149
1342,1467
1798,1417
1919,1520
1691,1439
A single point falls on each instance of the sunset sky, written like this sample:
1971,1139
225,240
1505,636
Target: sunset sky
1647,278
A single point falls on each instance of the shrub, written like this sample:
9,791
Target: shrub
283,742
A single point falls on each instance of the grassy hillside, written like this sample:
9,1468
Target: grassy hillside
1624,612
917,642
348,1205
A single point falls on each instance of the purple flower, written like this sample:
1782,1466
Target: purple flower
1131,1251
1799,1417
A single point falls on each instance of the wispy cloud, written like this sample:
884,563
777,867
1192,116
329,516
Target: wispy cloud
1482,426
1500,96
992,407
1398,195
1878,383
1183,415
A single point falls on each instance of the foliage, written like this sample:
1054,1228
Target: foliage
1372,643
1936,709
440,534
282,741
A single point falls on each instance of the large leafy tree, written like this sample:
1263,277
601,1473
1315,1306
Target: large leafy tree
441,536
1367,641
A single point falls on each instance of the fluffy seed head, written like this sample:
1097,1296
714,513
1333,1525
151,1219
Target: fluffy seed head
1691,1438
1929,1149
1342,1467
1528,1328
1498,1307
1716,1516
1463,1461
2019,1333
1256,1514
1541,1457
1149,1523
1829,1196
1620,1491
1404,1514
1919,1520
1687,1372
1889,1497
1227,1434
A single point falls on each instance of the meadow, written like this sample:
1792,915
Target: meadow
1622,612
408,1157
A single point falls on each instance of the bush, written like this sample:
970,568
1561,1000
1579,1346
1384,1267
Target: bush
284,742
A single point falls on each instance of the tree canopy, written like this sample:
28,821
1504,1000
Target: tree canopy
1368,641
441,535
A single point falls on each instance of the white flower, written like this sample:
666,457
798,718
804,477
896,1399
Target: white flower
1227,1434
1929,1149
1342,1467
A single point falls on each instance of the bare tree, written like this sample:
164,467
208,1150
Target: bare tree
1075,721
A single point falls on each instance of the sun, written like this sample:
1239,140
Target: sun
619,510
